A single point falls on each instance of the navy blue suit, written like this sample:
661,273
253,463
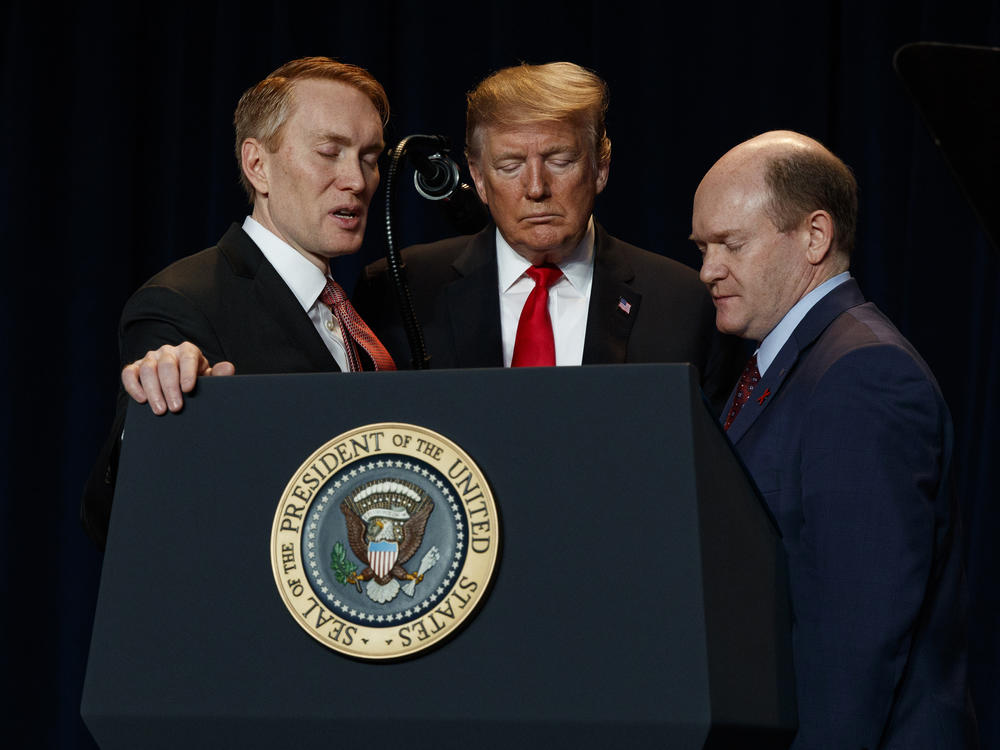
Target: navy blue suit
849,441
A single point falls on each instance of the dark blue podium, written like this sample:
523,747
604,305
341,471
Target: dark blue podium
640,597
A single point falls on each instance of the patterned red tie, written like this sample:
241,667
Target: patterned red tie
748,380
354,329
534,345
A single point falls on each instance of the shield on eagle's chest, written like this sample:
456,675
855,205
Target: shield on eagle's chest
382,556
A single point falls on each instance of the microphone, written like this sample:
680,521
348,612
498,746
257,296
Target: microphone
436,177
435,174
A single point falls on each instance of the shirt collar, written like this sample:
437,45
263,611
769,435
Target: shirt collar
299,273
776,339
577,268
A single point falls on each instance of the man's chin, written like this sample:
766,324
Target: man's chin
727,326
343,244
545,248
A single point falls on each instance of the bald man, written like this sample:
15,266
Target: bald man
847,436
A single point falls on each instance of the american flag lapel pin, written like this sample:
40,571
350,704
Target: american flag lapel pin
624,305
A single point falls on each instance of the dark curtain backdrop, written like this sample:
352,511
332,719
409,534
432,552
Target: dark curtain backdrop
117,159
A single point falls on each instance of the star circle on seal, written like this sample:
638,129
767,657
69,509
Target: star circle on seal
385,541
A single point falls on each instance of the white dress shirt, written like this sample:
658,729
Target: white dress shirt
306,281
776,339
569,297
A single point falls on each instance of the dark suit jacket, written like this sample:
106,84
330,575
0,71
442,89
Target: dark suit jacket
849,440
454,285
230,302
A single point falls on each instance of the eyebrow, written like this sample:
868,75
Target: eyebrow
564,148
513,153
343,140
721,235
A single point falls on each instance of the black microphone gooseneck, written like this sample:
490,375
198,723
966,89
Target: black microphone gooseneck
436,178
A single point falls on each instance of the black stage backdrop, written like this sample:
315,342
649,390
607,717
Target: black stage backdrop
117,159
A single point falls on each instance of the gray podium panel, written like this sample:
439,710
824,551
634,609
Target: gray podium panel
640,595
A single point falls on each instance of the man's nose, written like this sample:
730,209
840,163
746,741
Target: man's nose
536,183
351,176
712,266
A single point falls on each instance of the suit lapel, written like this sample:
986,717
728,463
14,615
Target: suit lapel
823,313
473,304
273,300
763,392
614,304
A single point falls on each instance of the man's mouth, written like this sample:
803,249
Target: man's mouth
348,219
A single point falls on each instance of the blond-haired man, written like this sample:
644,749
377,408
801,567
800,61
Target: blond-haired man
539,154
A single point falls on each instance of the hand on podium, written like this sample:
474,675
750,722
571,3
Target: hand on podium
162,376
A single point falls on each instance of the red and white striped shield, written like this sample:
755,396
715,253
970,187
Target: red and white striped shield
382,556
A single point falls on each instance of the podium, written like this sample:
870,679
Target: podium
640,596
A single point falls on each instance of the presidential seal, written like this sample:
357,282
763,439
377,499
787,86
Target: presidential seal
384,541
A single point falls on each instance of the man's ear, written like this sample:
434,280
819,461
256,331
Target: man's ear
819,225
603,167
477,177
254,160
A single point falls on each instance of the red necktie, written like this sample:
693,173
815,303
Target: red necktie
749,379
534,345
354,329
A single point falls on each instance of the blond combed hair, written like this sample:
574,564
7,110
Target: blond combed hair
265,107
530,94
